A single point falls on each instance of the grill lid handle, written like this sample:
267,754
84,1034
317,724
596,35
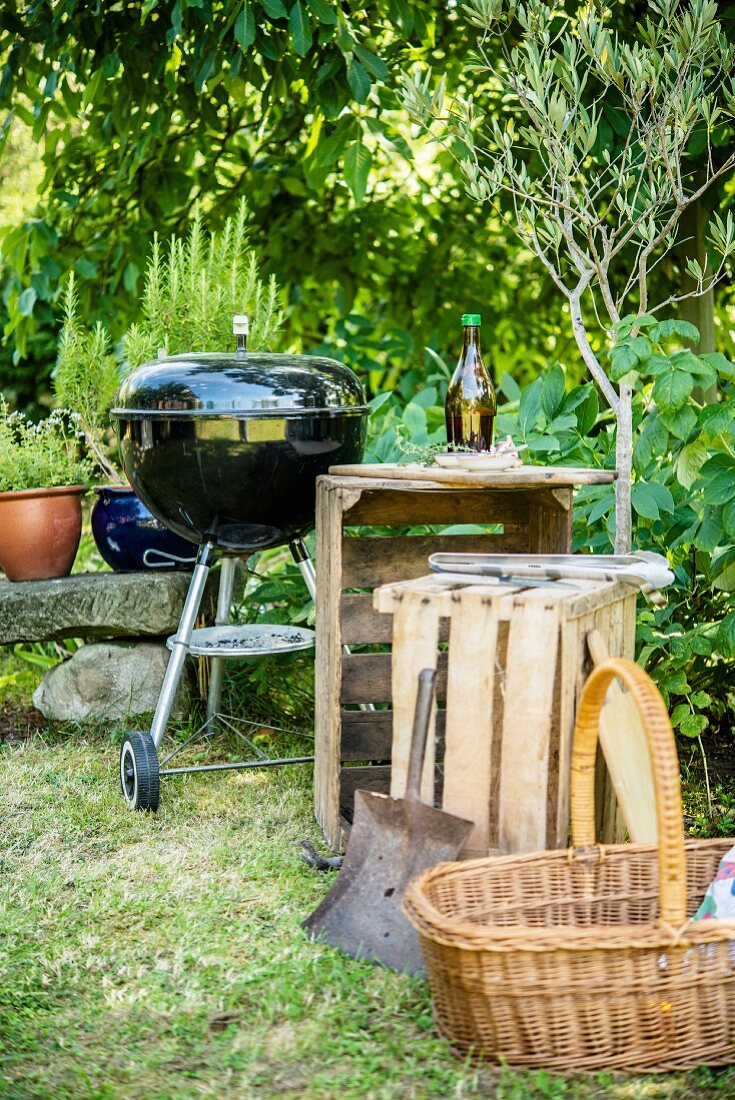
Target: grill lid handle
240,331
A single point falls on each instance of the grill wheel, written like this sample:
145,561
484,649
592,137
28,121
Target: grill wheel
139,778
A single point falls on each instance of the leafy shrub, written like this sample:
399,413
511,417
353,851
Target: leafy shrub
683,489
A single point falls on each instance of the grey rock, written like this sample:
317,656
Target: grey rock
97,605
106,682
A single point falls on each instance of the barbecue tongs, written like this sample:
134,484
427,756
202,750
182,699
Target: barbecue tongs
647,571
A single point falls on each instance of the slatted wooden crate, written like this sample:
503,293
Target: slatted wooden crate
362,543
516,662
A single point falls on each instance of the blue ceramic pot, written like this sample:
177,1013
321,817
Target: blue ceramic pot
129,538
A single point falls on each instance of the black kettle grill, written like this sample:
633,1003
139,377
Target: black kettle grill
225,450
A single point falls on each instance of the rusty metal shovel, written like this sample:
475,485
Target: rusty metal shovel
392,840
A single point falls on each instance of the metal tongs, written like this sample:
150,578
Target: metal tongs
645,570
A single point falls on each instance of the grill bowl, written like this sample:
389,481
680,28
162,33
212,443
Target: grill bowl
227,449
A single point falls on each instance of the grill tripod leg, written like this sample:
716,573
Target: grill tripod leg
180,649
222,618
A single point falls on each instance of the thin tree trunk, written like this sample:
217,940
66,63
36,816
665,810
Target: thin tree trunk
624,463
700,311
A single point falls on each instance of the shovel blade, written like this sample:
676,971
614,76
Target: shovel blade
392,840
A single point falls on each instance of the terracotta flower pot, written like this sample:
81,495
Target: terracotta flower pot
39,532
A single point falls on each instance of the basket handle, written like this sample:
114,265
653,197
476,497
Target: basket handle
664,765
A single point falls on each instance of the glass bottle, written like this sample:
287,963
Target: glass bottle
471,404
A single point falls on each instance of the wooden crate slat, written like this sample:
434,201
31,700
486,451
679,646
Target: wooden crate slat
373,560
470,692
366,677
376,778
367,735
361,624
415,642
516,478
328,660
399,507
533,641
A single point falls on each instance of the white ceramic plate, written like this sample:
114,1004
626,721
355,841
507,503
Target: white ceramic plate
476,461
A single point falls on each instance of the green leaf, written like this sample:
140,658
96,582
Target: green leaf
710,532
552,391
379,400
26,302
657,364
651,443
358,162
331,148
623,361
693,725
690,461
359,81
245,26
641,348
276,9
670,391
701,699
644,501
717,479
680,422
86,268
509,387
681,711
725,640
588,412
414,417
130,277
662,496
530,406
300,29
324,11
373,64
720,363
728,518
674,327
716,419
676,682
601,508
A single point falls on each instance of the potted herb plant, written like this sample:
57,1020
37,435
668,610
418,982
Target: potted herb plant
43,474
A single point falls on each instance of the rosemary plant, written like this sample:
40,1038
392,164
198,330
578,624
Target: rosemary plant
86,379
193,287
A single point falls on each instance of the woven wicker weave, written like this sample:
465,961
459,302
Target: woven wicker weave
585,958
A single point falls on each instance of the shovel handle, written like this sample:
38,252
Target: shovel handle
419,735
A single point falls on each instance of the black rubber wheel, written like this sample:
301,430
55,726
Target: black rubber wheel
139,778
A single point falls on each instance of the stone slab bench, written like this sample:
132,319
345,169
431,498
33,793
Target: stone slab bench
96,605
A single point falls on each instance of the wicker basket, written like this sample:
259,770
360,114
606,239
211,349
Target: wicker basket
585,958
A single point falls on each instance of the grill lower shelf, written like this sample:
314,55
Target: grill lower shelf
247,641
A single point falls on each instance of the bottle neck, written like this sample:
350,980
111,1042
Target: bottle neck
471,337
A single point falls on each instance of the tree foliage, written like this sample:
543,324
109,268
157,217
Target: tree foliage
597,217
142,110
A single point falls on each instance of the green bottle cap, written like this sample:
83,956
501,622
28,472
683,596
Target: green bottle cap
472,319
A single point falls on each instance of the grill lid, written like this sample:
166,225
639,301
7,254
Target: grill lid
262,383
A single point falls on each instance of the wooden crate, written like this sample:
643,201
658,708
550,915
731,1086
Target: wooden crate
516,662
360,544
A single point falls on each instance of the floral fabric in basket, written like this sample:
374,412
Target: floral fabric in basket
719,901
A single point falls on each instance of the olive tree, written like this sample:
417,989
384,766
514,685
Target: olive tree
590,160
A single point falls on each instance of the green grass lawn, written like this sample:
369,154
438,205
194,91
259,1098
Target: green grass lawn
162,957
